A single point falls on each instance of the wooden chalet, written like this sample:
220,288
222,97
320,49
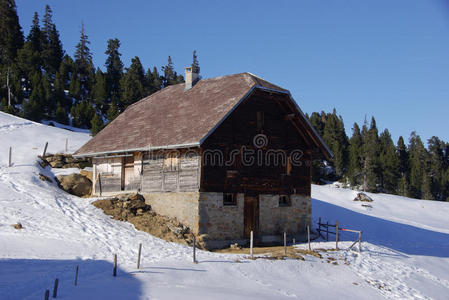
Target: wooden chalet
225,156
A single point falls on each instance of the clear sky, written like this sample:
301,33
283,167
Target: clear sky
384,58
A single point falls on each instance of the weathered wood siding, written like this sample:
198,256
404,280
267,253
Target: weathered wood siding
171,171
270,116
163,171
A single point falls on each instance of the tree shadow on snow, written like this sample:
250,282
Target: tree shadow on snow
404,238
29,278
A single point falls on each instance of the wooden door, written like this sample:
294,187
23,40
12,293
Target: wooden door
251,215
127,172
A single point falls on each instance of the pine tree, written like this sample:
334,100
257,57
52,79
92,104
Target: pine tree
61,115
389,164
82,113
195,63
52,53
371,154
417,162
112,113
402,154
100,93
11,40
114,70
35,35
83,64
133,83
11,36
335,137
436,168
96,124
355,157
170,76
154,82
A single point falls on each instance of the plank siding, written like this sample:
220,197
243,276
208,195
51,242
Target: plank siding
258,115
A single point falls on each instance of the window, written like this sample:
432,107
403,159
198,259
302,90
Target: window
229,199
171,161
284,200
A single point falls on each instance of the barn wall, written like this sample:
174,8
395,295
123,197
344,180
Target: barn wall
182,206
178,173
218,221
275,220
225,224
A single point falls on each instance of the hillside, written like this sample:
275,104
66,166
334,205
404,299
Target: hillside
405,250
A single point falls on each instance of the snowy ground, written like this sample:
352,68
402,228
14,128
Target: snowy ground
405,254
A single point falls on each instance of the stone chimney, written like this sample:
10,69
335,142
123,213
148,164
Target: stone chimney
192,77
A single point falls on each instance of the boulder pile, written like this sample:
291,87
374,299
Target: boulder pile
133,209
75,184
363,197
64,161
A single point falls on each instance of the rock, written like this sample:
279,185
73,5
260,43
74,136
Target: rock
135,197
44,178
88,174
363,197
17,226
75,184
57,164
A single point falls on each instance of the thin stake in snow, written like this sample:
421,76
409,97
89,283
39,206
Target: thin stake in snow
294,241
76,276
251,244
55,288
360,241
138,256
336,235
66,145
114,270
285,243
327,231
10,154
47,294
45,149
194,250
308,236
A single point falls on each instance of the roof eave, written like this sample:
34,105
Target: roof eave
148,148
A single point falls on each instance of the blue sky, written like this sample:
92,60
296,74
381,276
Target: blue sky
387,58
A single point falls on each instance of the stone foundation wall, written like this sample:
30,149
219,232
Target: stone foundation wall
220,222
275,220
182,206
207,217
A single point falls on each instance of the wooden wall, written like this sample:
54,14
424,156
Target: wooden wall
260,114
163,171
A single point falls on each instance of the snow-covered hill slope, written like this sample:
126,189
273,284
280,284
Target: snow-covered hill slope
405,252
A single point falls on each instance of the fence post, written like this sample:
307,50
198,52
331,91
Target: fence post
336,235
360,241
114,271
285,243
55,288
45,150
138,256
251,244
76,276
308,236
10,154
66,145
294,241
194,249
47,294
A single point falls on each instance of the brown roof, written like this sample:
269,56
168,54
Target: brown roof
173,117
